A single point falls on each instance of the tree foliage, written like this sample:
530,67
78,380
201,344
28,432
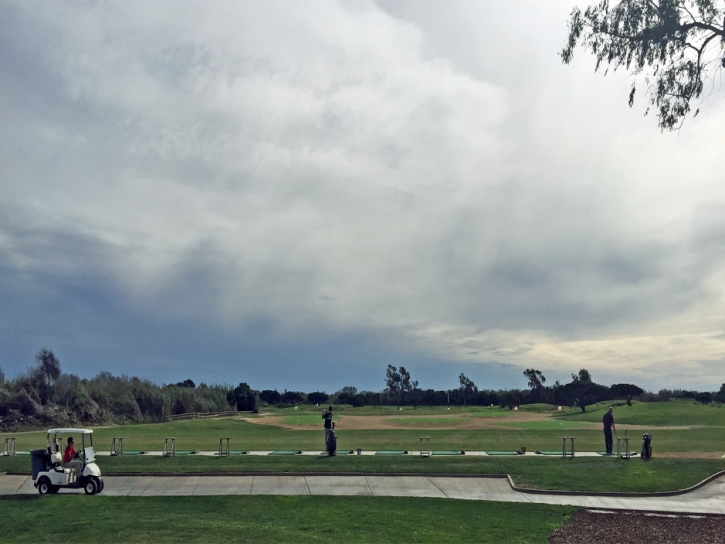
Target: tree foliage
397,383
245,399
45,374
270,396
625,391
675,44
719,397
535,377
467,387
317,397
581,391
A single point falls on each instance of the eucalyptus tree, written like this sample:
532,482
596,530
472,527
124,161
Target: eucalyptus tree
673,45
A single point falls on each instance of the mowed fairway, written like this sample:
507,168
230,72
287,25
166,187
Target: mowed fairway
686,450
677,428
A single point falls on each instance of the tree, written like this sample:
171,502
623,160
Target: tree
270,396
509,399
392,383
535,377
583,376
467,386
318,397
536,382
720,395
416,394
45,374
244,398
292,397
625,391
704,398
676,43
581,390
189,384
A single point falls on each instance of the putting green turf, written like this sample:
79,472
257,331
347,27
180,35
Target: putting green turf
275,519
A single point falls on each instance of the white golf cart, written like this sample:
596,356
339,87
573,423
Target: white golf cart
49,475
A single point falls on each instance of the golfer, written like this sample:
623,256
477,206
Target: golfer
608,421
327,416
70,459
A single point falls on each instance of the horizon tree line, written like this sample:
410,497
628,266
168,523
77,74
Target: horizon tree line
44,395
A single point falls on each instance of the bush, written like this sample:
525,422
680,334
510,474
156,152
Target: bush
125,407
22,402
4,402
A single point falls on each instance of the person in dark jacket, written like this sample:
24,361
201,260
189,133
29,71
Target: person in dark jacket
327,416
608,421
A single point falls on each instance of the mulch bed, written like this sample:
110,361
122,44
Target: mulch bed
623,527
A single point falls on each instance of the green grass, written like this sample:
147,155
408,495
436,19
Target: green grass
680,412
582,474
424,420
275,519
544,425
204,435
306,419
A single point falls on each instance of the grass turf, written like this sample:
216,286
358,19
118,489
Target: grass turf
275,519
679,412
204,434
580,474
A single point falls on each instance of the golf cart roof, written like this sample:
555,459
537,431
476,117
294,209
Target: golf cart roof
70,431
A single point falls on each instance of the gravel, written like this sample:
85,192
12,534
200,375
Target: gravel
623,527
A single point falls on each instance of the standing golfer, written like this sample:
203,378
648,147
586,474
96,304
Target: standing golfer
608,421
327,416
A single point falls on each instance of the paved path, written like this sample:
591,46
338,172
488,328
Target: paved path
708,499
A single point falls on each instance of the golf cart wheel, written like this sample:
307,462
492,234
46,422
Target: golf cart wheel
90,488
44,486
99,484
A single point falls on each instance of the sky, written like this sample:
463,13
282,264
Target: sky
297,194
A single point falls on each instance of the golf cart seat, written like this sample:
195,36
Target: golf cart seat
56,461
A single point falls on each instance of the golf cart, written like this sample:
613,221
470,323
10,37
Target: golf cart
49,475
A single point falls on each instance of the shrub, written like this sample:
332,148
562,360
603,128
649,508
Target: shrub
125,407
22,402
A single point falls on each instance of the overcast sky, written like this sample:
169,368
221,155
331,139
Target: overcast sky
297,194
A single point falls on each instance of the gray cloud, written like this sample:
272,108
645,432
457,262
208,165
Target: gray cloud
418,182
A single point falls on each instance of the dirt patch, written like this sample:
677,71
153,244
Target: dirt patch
587,526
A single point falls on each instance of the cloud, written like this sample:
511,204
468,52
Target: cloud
427,177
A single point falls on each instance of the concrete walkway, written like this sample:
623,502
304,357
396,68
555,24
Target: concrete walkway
709,499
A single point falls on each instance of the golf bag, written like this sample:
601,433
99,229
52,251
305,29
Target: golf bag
332,442
646,446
